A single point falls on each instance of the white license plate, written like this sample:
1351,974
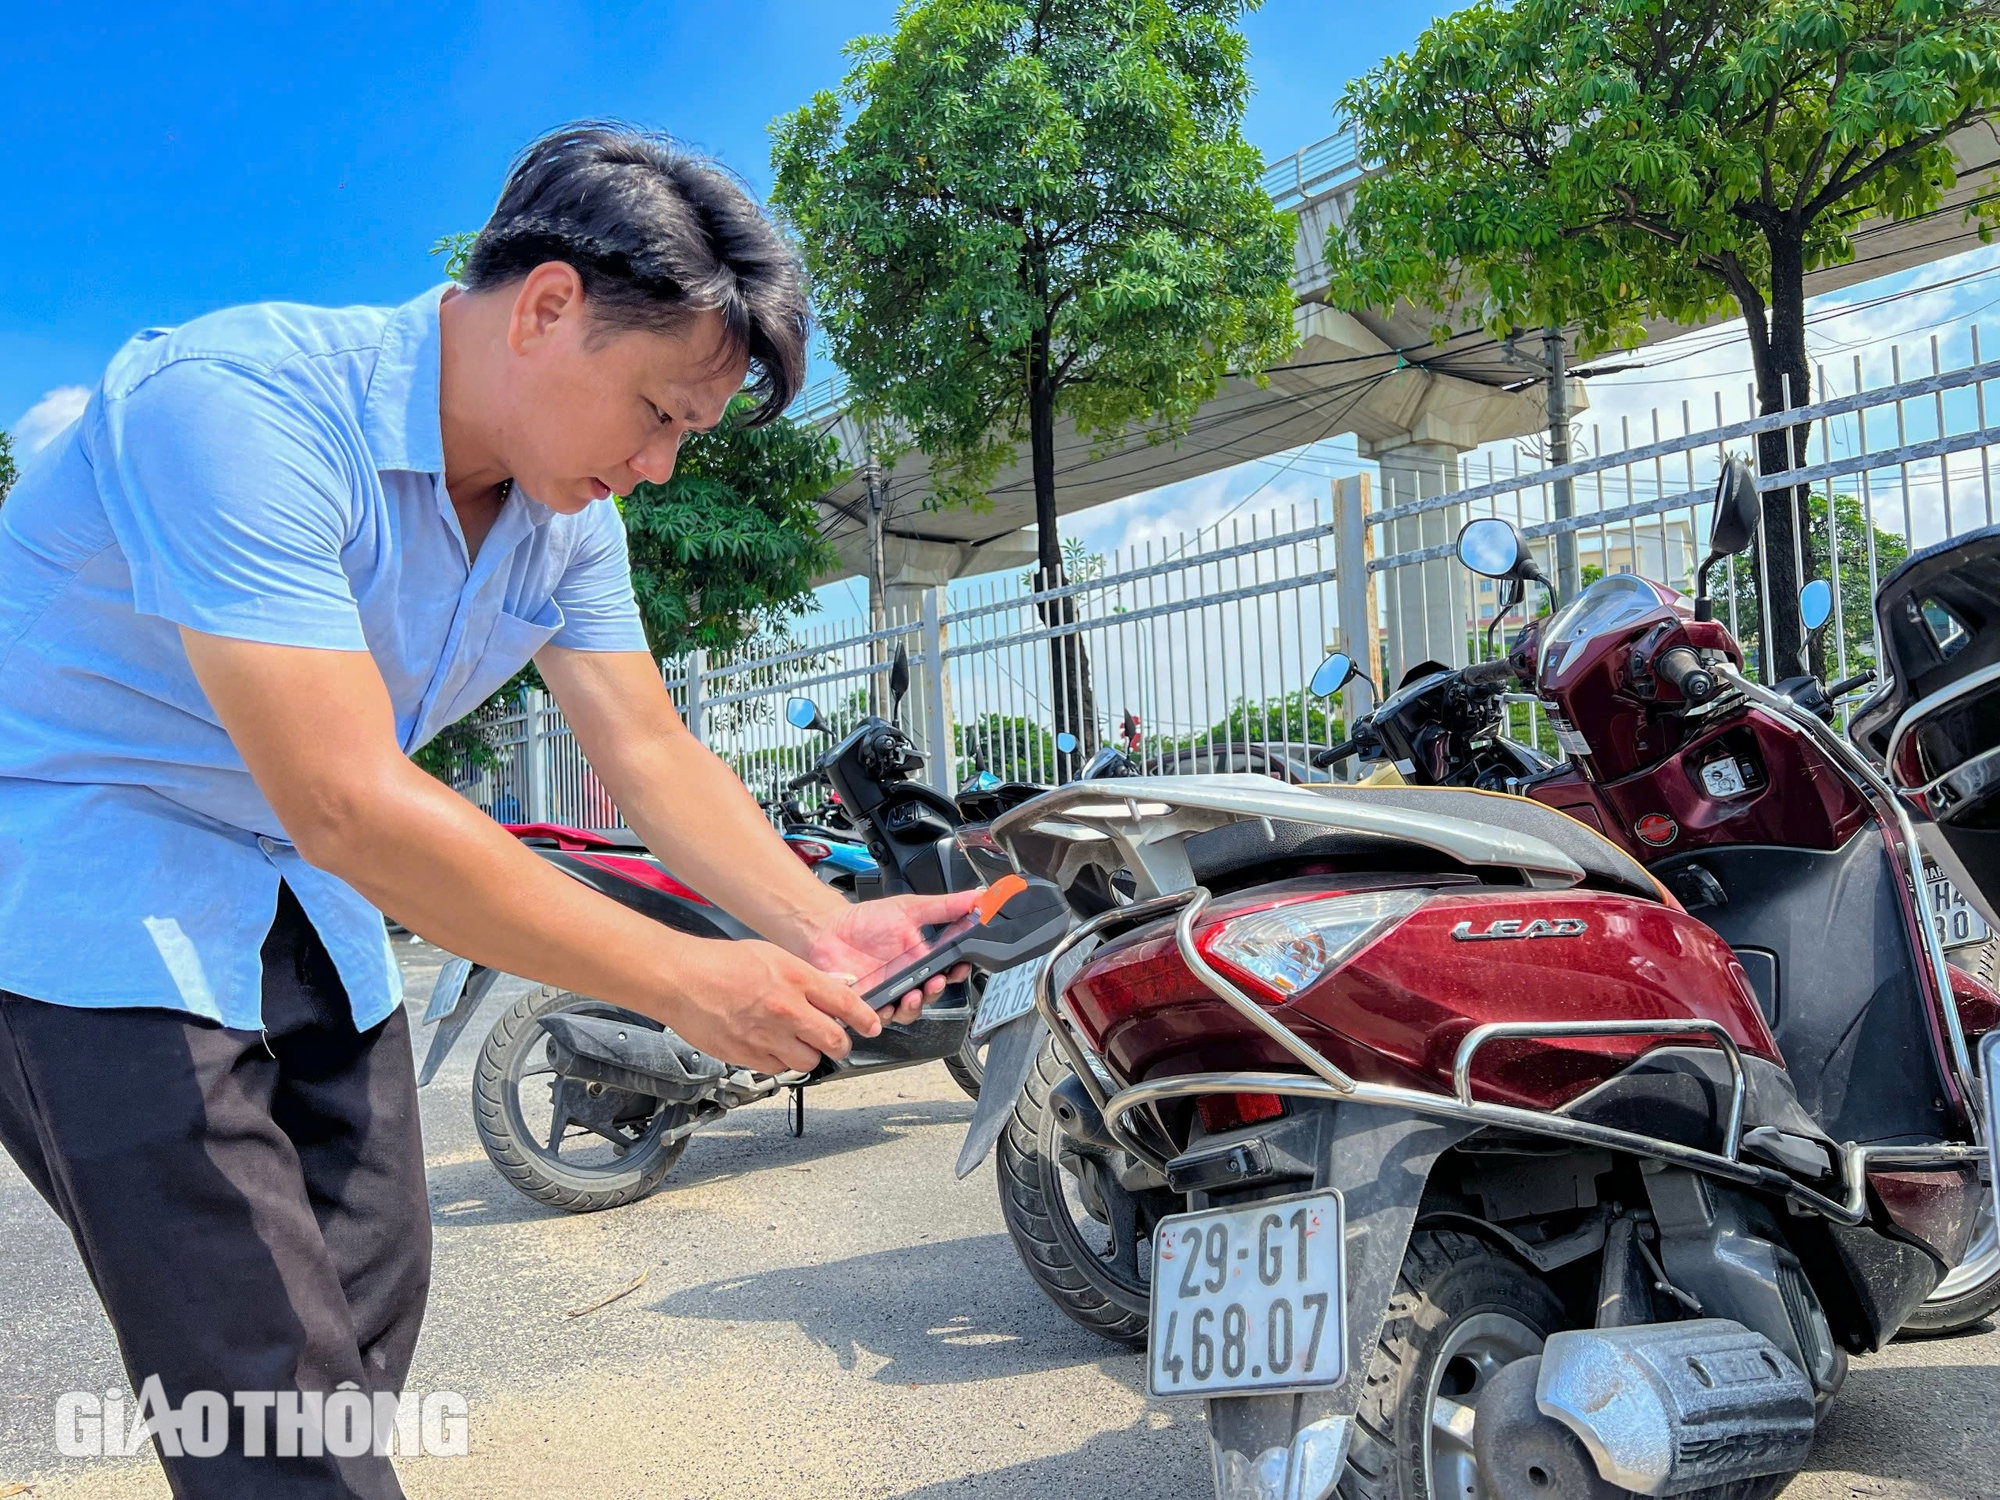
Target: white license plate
1958,925
1009,995
1252,1298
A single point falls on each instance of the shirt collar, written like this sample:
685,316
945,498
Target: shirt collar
399,415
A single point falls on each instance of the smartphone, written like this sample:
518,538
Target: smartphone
884,986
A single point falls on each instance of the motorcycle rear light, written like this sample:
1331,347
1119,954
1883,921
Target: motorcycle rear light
1281,950
1220,1112
810,851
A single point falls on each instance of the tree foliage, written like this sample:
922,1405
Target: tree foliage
7,469
1591,164
1017,212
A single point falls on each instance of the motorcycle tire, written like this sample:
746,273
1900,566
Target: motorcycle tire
1039,1219
967,1066
1971,1293
1462,1310
527,1163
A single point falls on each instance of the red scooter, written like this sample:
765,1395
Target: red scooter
1449,1144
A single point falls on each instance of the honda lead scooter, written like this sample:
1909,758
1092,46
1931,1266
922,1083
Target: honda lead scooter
1452,1154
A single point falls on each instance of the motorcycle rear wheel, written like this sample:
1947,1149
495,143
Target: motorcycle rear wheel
513,1056
1463,1310
1968,1295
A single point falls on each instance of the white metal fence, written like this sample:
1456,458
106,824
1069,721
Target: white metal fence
1200,647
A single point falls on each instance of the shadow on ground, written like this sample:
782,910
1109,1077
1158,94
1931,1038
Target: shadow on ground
1146,1458
736,1147
947,1313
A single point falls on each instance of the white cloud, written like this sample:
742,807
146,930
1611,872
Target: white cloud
49,416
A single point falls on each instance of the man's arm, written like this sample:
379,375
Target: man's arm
317,731
703,823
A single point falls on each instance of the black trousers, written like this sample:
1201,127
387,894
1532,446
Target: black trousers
250,1207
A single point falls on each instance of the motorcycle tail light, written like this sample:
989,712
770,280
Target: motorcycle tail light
809,851
1281,950
1220,1112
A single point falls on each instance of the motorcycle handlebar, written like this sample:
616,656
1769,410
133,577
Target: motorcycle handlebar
799,782
1682,670
1324,758
1479,674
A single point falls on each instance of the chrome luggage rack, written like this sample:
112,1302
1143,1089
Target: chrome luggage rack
1139,824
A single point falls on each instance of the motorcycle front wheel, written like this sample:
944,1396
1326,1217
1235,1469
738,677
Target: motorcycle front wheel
580,1147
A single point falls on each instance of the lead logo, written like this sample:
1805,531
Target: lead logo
1515,927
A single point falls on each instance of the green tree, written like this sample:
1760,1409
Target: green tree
1015,213
1591,164
1857,602
731,543
7,469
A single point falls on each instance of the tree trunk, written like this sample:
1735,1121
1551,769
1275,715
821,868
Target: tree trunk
1784,381
1069,667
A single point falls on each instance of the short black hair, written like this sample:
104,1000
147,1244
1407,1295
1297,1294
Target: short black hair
659,236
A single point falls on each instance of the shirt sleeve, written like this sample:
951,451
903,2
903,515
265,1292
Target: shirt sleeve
595,590
232,498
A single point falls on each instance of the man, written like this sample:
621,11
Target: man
283,547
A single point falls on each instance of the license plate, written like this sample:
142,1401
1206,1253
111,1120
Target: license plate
1009,995
1252,1298
1958,925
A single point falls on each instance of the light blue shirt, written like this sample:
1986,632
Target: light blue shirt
270,473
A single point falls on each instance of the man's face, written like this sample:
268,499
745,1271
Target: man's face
595,409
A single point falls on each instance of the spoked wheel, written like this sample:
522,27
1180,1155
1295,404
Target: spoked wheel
572,1145
1085,1239
1971,1292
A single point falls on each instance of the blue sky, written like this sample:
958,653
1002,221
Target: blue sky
167,159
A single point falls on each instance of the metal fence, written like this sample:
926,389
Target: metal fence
1200,646
1890,468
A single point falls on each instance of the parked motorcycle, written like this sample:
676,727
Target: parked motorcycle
584,1105
837,857
1450,1145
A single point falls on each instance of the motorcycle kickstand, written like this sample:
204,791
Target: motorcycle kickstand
795,1113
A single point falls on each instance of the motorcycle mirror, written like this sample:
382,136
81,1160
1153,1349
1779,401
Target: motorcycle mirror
1735,523
1492,548
1816,604
1332,675
803,713
1066,743
899,682
1735,508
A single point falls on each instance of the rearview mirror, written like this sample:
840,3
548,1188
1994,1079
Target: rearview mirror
1816,604
1332,675
1492,548
899,682
1736,508
1066,743
803,713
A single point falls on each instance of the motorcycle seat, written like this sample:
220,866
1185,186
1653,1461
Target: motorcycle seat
1604,864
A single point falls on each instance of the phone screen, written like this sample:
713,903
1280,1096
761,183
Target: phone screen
991,900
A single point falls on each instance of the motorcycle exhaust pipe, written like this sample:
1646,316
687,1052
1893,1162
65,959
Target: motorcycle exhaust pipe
1079,1116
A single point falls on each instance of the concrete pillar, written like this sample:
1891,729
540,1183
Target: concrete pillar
1427,603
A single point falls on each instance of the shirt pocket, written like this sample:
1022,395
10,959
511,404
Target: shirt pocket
509,646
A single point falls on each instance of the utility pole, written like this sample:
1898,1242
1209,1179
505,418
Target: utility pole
1554,377
878,590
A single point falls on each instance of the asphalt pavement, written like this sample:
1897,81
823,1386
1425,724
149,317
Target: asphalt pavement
832,1316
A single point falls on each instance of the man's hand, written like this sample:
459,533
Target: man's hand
863,937
755,1006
